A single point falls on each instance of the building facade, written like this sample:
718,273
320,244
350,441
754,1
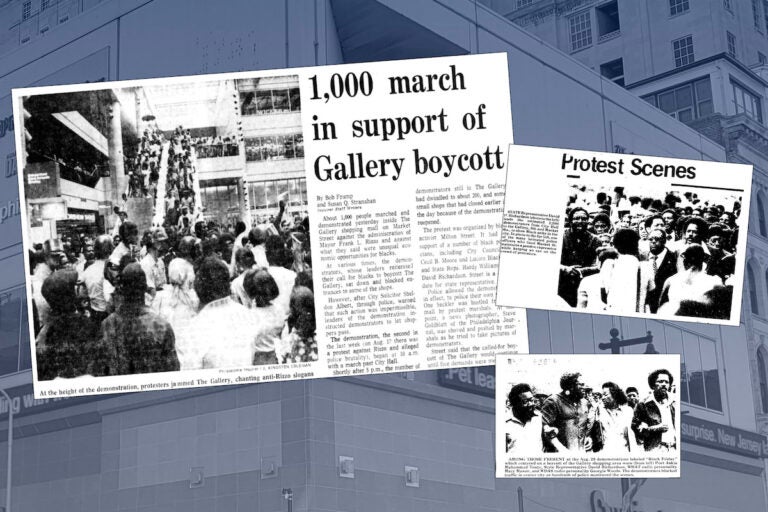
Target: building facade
415,441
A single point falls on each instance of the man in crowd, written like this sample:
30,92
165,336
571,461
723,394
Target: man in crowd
654,419
524,427
152,263
633,397
134,339
570,415
578,256
93,279
663,264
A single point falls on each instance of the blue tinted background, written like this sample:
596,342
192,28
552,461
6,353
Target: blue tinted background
147,452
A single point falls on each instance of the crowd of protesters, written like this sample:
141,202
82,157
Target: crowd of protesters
674,256
607,420
166,299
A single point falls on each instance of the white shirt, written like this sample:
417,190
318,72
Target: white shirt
93,277
222,336
524,439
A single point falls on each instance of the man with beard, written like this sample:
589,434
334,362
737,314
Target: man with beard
569,415
654,419
670,223
524,428
694,233
632,396
579,255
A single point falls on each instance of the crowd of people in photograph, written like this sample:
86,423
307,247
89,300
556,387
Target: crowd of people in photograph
168,299
673,256
584,420
217,146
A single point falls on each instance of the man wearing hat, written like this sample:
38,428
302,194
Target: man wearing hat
152,263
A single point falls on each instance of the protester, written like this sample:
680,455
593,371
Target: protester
134,339
570,414
654,418
65,344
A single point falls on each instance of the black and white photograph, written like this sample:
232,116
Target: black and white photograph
588,407
624,234
166,225
656,251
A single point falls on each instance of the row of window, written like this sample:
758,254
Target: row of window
693,100
272,101
274,147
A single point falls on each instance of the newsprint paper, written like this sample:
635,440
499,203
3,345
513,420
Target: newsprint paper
624,234
262,226
588,416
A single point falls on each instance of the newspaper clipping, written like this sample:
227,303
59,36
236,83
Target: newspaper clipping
634,235
587,416
262,226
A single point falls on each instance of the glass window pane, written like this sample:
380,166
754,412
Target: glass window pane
674,342
667,101
271,194
693,369
264,101
684,97
685,115
295,99
703,90
705,108
299,145
280,100
711,375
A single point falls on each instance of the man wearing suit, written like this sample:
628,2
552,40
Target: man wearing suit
663,264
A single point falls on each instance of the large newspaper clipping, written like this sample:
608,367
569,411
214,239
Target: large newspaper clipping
264,226
624,234
587,416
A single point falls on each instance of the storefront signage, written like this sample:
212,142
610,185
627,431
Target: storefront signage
480,380
42,180
82,216
723,437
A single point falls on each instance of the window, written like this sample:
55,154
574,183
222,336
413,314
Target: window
44,4
757,15
685,102
524,3
26,10
761,58
607,20
581,31
699,372
747,102
677,6
263,195
731,44
683,50
763,377
753,302
274,147
761,216
614,71
271,101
